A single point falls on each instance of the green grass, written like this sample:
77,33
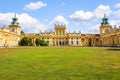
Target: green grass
59,63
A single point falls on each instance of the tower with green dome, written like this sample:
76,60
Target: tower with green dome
105,21
14,26
105,26
15,21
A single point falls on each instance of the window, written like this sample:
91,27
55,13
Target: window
13,30
77,42
71,42
60,32
57,43
66,42
71,38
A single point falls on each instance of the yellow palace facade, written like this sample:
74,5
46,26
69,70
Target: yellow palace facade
60,37
10,36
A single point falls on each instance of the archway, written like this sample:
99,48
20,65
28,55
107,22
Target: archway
83,42
60,43
96,42
90,42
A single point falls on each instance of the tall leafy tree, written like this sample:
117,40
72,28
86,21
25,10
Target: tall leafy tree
25,42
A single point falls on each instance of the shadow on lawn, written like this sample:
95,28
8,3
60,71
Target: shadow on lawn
114,49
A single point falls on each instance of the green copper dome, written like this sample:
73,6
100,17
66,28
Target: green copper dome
105,21
15,21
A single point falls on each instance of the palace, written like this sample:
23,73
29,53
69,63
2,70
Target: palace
10,36
108,36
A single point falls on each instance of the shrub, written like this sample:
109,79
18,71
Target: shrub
39,42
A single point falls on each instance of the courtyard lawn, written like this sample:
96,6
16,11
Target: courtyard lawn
59,63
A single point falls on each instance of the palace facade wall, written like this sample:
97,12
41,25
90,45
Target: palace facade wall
10,36
62,38
108,36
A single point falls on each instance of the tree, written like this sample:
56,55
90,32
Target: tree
25,42
43,43
39,42
22,32
30,42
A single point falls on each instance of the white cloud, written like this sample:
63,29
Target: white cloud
114,22
58,20
94,29
5,19
77,24
101,10
117,13
117,5
97,13
34,6
27,23
91,19
81,15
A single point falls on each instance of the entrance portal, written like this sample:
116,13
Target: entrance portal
60,43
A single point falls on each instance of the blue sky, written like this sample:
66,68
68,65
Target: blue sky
42,15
